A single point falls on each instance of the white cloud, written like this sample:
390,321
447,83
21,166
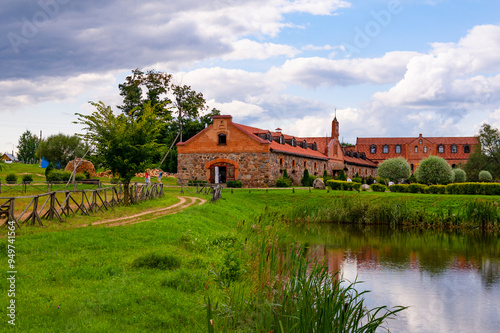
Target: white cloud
248,49
237,109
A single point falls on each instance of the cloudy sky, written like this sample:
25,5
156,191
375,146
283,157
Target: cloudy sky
389,67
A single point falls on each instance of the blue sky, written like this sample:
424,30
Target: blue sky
390,68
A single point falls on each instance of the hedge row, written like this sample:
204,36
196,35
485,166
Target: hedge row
343,185
456,188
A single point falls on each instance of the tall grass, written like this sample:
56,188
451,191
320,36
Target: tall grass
398,211
288,291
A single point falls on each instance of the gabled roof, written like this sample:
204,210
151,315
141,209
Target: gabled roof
471,140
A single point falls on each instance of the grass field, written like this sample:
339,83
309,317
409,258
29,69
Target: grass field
156,275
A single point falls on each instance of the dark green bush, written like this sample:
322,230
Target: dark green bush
27,178
474,188
58,176
337,185
378,187
79,176
283,182
11,178
436,189
399,188
157,261
416,188
234,183
185,280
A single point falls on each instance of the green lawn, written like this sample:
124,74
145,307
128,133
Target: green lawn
83,279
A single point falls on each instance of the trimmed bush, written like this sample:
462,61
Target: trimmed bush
436,189
434,170
394,169
485,176
234,183
27,178
474,188
338,185
460,176
416,188
378,187
11,178
399,188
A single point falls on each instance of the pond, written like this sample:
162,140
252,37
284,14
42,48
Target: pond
449,280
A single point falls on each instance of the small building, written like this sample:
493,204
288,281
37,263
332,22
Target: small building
9,158
226,151
455,150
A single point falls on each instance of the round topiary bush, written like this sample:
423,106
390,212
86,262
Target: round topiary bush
434,170
394,169
460,176
485,176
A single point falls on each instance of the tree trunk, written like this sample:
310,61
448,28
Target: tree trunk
126,196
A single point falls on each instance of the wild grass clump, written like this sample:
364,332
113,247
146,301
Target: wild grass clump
157,261
185,280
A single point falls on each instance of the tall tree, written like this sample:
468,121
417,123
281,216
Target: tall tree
27,146
59,149
178,106
127,145
486,156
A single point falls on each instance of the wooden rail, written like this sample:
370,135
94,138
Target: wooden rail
56,204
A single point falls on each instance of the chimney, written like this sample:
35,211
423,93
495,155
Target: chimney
278,130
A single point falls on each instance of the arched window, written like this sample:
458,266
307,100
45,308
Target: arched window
385,149
441,149
373,149
425,149
398,149
222,139
416,149
454,149
467,149
305,164
282,140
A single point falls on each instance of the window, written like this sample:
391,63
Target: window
294,142
305,164
315,146
269,137
398,149
315,166
222,139
373,149
282,140
293,163
425,149
281,161
467,149
385,149
454,149
416,149
419,142
441,149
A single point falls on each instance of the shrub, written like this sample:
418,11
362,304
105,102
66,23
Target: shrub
27,178
234,183
434,170
342,175
114,180
307,180
337,185
48,169
436,189
460,176
157,261
485,176
326,177
185,280
399,188
369,180
58,176
416,188
11,178
283,182
378,187
394,169
79,176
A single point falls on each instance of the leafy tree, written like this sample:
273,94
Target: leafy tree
126,144
59,149
27,146
486,156
460,175
178,106
394,169
485,176
434,170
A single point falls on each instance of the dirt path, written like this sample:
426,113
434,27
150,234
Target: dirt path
149,215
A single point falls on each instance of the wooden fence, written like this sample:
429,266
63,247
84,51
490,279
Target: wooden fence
56,204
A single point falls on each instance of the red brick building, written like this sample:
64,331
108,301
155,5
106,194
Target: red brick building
229,151
455,150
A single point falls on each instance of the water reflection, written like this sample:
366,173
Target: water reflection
450,280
